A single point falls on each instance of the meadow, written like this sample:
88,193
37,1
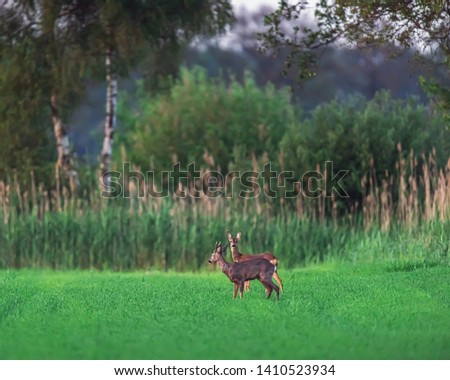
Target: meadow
109,261
330,311
82,277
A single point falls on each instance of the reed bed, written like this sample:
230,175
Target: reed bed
405,217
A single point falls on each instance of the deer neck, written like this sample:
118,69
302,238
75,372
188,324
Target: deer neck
224,265
235,254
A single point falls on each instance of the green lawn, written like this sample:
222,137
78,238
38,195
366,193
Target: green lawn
326,312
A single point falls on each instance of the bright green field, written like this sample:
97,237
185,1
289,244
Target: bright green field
326,312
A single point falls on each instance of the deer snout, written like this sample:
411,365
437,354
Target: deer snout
209,261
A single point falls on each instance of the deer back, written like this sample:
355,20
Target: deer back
266,255
251,269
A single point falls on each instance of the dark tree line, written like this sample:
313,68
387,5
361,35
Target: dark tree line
50,50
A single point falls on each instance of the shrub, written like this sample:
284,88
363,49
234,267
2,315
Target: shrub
231,122
360,135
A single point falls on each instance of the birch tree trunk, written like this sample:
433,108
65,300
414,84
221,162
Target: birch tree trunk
64,162
110,120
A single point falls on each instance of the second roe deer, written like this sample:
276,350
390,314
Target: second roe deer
258,269
239,257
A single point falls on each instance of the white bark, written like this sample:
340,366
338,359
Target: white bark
64,162
110,120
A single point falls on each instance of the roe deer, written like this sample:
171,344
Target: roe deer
239,257
258,269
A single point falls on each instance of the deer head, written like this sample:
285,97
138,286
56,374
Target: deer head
217,252
233,241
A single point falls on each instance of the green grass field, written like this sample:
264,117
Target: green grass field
326,312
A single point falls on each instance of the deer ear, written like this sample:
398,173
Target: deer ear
238,236
229,235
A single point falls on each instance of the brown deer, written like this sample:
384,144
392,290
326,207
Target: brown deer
258,269
239,257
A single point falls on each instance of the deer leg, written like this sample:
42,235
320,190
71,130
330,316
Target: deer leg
272,286
276,288
275,275
247,286
241,286
235,290
267,286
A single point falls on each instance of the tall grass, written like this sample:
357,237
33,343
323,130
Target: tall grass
167,236
408,220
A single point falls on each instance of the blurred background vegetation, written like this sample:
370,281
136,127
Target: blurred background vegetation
195,86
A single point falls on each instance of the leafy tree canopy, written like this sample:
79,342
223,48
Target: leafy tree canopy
422,25
52,47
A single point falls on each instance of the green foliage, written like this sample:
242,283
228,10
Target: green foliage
58,45
25,127
326,312
25,145
235,124
174,237
37,64
230,122
418,25
133,28
440,93
114,238
359,134
40,57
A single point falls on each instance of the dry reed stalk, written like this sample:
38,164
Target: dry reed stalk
442,193
299,201
209,159
66,196
368,202
402,207
320,199
427,206
440,198
256,168
375,204
33,189
47,203
132,193
58,187
6,200
18,192
423,196
446,188
386,204
334,210
353,215
26,202
413,196
41,204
